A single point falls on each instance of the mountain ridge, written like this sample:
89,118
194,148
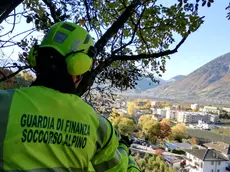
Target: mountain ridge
211,80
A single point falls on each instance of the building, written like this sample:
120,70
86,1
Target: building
226,109
173,161
214,118
171,114
153,103
194,106
161,112
171,146
221,147
180,116
211,109
205,160
194,117
203,125
157,117
189,117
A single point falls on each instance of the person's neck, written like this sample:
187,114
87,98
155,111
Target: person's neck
62,86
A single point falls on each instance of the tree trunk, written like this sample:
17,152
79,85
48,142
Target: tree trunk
86,83
6,7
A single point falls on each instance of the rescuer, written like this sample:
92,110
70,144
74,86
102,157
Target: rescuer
46,127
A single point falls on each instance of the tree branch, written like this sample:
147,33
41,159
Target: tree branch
2,74
115,26
52,9
20,68
9,10
14,23
30,31
134,33
87,12
153,55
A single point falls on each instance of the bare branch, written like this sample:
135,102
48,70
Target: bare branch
20,68
9,10
133,35
20,13
113,43
14,23
11,45
52,9
2,74
87,12
142,38
115,26
153,55
30,31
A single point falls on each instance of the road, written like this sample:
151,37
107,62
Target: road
153,152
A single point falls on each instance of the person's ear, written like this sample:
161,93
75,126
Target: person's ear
78,78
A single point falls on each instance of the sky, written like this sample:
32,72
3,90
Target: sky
211,40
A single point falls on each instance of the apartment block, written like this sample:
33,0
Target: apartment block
194,117
171,114
211,109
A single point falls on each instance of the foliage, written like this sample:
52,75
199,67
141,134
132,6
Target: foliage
193,141
224,115
165,104
144,105
196,110
166,121
125,33
188,109
181,152
165,130
139,134
222,131
23,79
143,119
228,8
126,126
179,132
131,108
152,163
123,124
7,84
154,130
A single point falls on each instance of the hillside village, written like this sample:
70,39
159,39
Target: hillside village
179,147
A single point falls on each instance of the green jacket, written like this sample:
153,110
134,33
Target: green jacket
44,130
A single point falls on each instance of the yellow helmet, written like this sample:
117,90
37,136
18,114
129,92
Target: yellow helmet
71,41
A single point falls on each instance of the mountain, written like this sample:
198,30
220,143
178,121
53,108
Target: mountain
211,82
144,84
175,78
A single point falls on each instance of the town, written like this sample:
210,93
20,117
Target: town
186,137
